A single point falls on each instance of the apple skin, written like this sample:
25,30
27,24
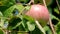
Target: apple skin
39,12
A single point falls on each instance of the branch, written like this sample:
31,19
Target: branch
44,3
51,25
50,22
31,1
40,27
58,5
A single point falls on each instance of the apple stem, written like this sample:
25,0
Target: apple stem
40,27
51,25
31,2
58,5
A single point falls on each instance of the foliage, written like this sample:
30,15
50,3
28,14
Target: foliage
13,18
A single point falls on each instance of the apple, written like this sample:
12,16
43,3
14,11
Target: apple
39,12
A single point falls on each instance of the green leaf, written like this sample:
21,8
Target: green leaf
1,32
58,33
36,31
19,7
21,28
57,28
56,10
8,12
22,32
47,29
31,26
28,18
1,22
17,25
14,23
1,14
24,21
7,2
28,7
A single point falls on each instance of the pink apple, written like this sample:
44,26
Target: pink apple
39,12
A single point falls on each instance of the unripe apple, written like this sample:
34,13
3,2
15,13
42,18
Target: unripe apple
39,12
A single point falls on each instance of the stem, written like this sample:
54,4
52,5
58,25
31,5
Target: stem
58,5
44,3
51,25
50,22
40,27
6,32
31,1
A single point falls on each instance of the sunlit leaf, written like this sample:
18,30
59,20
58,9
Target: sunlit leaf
8,12
28,7
56,10
1,22
20,7
1,14
31,26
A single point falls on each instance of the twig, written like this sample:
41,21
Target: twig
44,3
40,27
50,22
58,5
31,1
51,25
5,31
